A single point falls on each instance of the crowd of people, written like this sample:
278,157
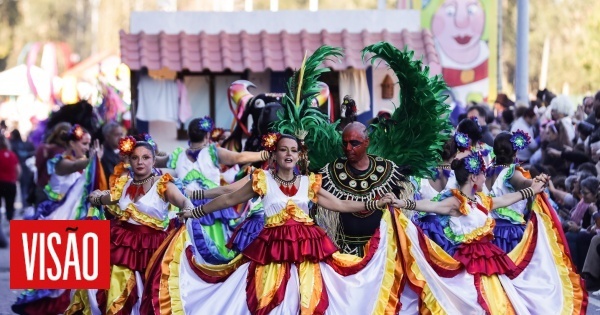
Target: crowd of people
511,205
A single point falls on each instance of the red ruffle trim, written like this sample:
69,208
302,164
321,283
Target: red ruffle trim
485,258
290,242
132,245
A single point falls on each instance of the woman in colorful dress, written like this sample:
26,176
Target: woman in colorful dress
503,177
291,267
140,204
429,189
72,175
481,278
199,167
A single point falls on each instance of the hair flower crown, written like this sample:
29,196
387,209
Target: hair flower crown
126,145
474,164
76,132
269,141
520,140
462,140
206,124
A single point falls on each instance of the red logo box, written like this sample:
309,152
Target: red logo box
59,254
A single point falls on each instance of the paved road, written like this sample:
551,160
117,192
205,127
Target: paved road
8,296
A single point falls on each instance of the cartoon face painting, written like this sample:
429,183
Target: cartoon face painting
458,26
461,33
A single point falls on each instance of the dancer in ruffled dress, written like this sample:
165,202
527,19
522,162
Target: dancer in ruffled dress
291,267
481,278
199,167
140,203
503,177
72,176
430,189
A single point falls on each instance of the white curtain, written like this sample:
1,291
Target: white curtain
158,100
353,82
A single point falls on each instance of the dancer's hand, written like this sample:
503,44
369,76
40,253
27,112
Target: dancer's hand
184,214
384,201
539,183
398,203
96,149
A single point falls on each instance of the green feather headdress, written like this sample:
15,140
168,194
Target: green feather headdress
307,123
419,126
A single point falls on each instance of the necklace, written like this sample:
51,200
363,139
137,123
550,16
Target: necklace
197,148
444,166
142,181
284,182
473,200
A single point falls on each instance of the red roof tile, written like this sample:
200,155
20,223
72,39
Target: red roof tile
257,52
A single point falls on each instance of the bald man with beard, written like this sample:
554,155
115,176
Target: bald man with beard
358,176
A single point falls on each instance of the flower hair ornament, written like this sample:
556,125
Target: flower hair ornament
520,140
206,124
269,141
474,164
462,141
216,133
126,145
149,140
76,132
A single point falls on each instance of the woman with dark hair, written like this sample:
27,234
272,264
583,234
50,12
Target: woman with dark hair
140,204
507,176
291,257
468,137
480,277
72,174
65,170
199,168
581,226
429,189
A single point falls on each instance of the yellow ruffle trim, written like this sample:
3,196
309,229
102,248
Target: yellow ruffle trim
291,211
314,184
118,171
117,189
480,232
486,200
161,186
259,182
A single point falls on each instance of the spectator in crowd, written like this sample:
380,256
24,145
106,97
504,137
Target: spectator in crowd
561,110
580,229
506,119
551,148
111,132
24,150
481,113
9,173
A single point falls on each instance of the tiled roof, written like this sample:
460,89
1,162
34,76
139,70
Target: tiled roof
257,52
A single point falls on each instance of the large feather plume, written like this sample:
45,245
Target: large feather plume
419,126
299,118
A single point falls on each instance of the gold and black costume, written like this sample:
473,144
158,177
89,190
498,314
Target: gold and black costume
351,231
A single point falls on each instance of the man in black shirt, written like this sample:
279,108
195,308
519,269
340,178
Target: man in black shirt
358,176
